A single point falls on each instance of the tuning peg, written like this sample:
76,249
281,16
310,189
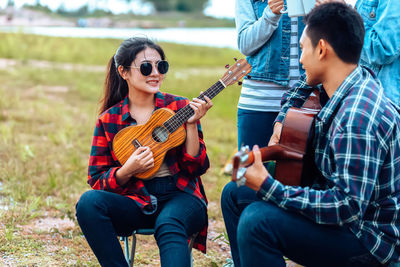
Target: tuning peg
227,66
240,82
235,59
248,77
244,149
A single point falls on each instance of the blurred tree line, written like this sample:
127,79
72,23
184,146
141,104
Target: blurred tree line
179,5
187,6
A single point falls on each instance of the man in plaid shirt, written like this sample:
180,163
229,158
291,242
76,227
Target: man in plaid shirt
352,217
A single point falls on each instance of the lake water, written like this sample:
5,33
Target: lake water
215,37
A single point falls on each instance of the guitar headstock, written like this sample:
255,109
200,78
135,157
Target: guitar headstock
236,72
238,170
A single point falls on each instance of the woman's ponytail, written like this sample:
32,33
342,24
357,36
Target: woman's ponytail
115,88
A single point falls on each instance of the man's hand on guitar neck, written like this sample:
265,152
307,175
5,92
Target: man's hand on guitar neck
256,173
276,135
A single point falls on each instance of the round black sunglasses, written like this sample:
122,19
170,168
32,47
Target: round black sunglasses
147,67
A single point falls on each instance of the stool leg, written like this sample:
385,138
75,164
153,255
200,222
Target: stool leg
132,260
126,245
191,248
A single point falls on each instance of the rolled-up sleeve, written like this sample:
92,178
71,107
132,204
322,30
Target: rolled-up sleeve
253,33
194,166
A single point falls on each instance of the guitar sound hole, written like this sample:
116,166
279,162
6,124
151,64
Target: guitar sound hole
160,134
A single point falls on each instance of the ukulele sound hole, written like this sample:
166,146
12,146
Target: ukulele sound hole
160,134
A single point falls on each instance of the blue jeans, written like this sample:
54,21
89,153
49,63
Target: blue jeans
103,216
254,127
233,201
260,234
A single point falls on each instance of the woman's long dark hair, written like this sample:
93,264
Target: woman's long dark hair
115,87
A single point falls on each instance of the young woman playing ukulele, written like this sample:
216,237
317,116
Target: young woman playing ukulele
172,201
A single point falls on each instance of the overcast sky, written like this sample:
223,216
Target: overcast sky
216,8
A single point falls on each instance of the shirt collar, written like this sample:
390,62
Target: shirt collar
159,103
159,100
340,94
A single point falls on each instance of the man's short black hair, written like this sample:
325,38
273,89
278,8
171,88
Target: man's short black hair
341,26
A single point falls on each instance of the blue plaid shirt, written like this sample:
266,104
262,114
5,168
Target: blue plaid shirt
357,151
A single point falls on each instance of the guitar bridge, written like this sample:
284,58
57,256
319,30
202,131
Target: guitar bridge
136,143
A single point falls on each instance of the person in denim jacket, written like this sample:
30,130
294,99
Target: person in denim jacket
270,40
381,50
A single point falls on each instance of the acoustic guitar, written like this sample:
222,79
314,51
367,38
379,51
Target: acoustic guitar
293,154
164,130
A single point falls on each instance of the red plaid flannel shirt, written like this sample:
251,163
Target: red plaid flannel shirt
103,164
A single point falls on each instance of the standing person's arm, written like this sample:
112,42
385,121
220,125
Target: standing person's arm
382,38
252,32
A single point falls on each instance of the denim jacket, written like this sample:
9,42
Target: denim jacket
265,39
381,50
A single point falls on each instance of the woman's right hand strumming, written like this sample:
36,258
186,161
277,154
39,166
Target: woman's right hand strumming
140,161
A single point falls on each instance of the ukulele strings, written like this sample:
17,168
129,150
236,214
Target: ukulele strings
181,116
186,112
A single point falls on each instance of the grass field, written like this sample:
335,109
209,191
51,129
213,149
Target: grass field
50,89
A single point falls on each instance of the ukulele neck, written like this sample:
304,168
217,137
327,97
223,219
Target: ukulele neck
186,112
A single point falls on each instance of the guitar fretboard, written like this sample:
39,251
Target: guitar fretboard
186,112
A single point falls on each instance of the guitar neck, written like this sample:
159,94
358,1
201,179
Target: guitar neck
186,112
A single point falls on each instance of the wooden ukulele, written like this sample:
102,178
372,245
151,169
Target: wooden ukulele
164,130
292,154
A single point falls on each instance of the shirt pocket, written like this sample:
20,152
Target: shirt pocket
368,10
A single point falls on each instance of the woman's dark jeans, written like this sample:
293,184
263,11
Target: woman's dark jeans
103,216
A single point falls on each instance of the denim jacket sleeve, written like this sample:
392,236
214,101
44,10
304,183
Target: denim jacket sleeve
382,32
254,30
